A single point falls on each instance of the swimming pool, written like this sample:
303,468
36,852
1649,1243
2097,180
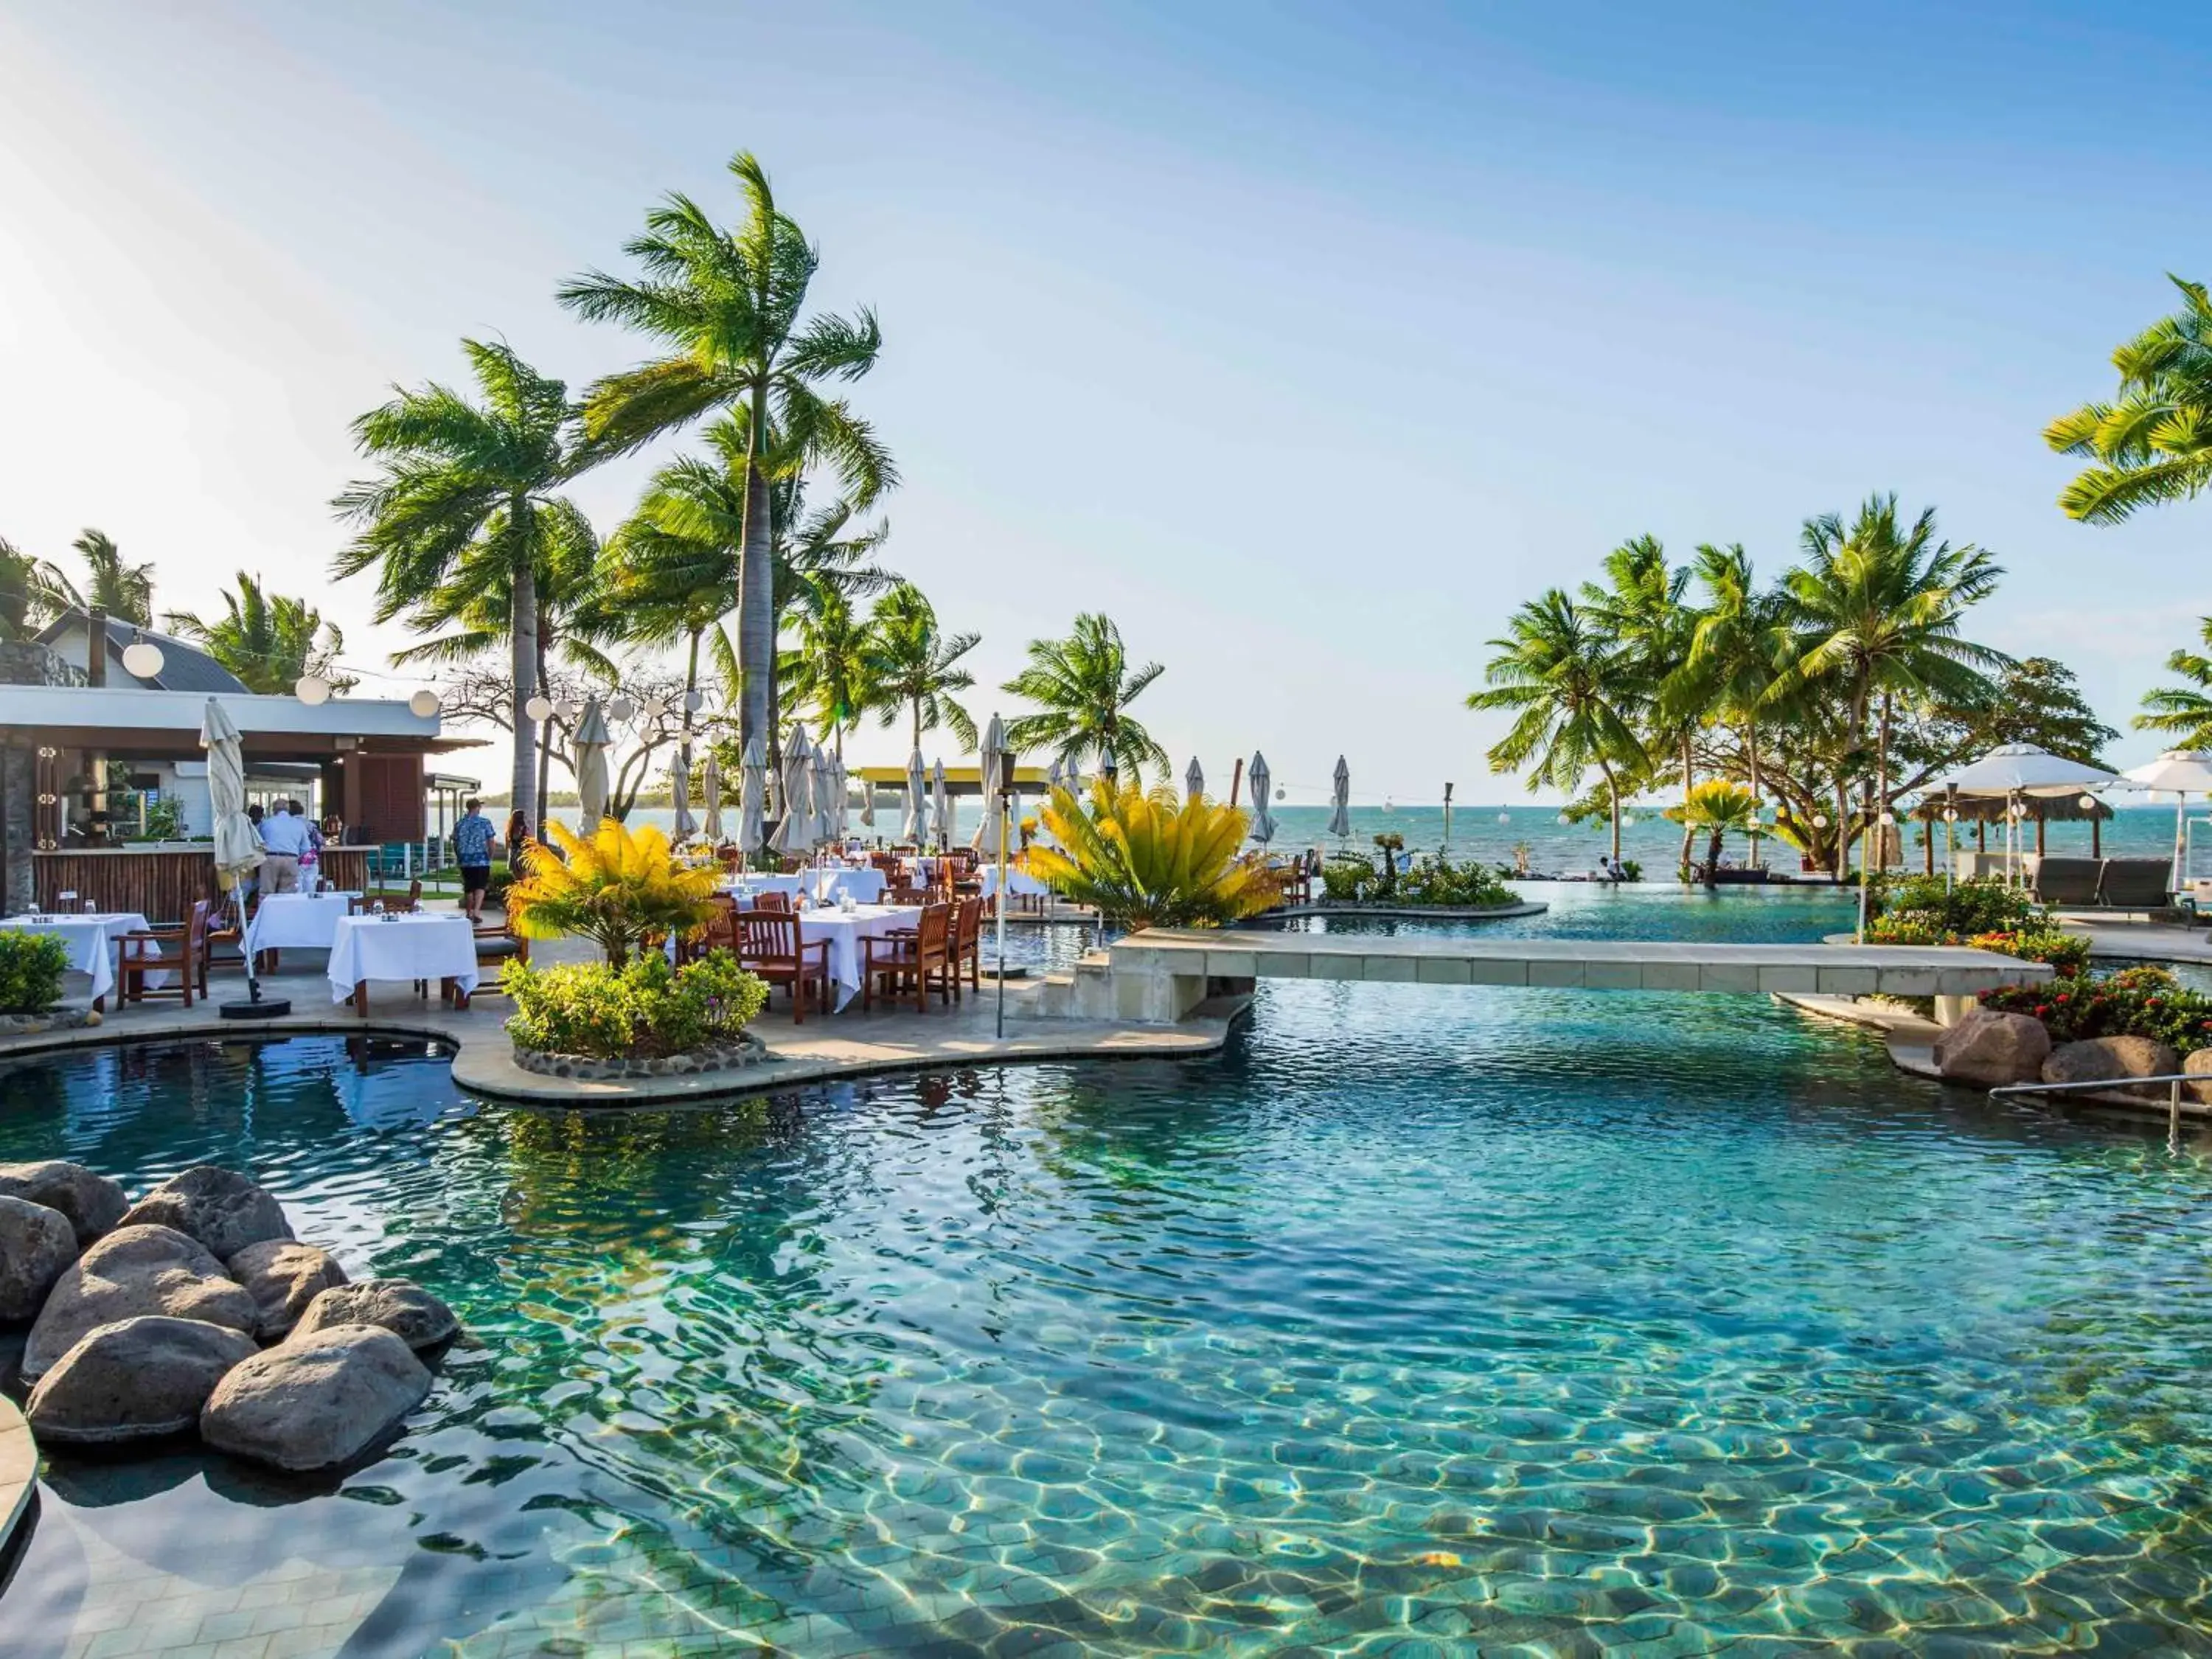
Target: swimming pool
1447,1317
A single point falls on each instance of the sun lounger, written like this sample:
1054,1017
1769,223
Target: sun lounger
2134,885
2071,883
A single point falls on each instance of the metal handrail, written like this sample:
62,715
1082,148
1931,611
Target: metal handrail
2174,1080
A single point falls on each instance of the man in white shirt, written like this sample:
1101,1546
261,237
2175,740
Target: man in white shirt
284,838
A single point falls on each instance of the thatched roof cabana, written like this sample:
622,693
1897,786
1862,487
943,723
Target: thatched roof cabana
1983,811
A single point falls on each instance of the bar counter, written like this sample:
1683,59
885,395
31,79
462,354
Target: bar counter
159,883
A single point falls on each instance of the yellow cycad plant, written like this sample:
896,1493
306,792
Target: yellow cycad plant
1152,860
620,888
1718,807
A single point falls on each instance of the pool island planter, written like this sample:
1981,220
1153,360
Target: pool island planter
747,1051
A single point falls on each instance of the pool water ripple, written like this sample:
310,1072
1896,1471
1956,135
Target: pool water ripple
1483,1320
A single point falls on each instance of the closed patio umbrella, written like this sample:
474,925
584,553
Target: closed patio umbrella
1339,800
238,851
915,825
1193,781
941,803
988,840
752,795
2186,772
825,783
592,740
1263,822
681,825
867,804
795,828
710,796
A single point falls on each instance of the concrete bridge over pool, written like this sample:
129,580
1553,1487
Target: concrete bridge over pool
1160,976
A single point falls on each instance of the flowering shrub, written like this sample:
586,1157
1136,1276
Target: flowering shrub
2135,1002
2067,952
645,1008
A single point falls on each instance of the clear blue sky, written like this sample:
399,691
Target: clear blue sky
1306,340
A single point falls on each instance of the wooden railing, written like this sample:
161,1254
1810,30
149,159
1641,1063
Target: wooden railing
159,884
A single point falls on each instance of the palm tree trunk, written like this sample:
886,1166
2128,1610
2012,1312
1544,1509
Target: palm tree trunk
1689,834
1751,749
1612,799
523,659
757,591
1713,858
917,726
546,733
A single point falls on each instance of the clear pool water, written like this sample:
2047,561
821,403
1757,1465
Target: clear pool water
1423,1321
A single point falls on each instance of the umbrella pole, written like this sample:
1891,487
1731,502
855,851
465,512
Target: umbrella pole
1001,896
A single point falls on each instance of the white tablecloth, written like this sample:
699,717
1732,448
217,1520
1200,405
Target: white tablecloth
845,933
750,883
1020,883
865,886
296,920
405,948
90,939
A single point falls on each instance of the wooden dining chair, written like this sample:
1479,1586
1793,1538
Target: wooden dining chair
776,903
138,954
910,958
968,945
771,944
908,896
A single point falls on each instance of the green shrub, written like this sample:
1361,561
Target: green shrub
1969,908
1346,877
1439,881
2067,952
644,1008
2133,1003
31,969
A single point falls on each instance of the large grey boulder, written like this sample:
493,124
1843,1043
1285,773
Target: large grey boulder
142,1376
1992,1048
399,1305
317,1399
93,1203
134,1270
2111,1059
2198,1064
284,1276
220,1207
37,1245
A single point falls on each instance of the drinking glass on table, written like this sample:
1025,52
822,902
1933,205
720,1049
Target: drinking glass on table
66,899
91,908
377,909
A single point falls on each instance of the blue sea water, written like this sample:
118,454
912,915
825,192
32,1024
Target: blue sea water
1423,1320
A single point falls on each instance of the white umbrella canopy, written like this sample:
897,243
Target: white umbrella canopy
1193,781
915,825
940,803
590,765
237,843
2021,768
794,830
1339,800
752,795
710,798
681,825
994,744
2186,772
1263,822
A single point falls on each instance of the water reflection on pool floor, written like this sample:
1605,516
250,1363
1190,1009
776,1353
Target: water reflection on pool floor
1507,1320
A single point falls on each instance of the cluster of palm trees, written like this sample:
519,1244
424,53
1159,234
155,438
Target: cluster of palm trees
268,639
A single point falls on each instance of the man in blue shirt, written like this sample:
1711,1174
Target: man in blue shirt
473,839
283,837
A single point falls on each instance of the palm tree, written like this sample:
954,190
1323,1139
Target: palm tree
460,511
124,592
1640,605
2183,712
1717,806
917,665
1084,685
1571,691
2154,443
832,672
1875,611
33,593
1733,657
727,304
268,641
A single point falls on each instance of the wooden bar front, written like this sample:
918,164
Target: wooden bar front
161,884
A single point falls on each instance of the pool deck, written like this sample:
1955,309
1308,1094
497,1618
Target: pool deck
824,1048
2119,939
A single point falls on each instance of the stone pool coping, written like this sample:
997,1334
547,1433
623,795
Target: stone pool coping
826,1049
18,1470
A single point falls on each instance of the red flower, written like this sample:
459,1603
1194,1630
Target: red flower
2042,1010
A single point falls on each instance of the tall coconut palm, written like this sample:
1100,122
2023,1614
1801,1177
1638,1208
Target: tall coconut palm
1084,686
1571,691
33,593
917,665
831,672
268,641
460,509
2153,442
1640,604
728,304
2183,713
1875,613
124,592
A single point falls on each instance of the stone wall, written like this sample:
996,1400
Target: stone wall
23,664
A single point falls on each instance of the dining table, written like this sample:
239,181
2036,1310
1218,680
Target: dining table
297,921
93,939
834,882
756,881
408,947
844,930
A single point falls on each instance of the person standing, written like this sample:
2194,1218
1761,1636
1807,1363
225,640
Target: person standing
473,839
284,838
517,845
